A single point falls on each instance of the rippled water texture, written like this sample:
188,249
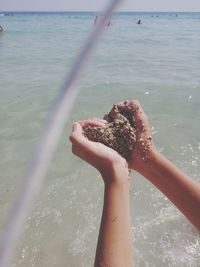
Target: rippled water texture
156,62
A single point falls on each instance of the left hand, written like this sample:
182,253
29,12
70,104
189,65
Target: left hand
106,160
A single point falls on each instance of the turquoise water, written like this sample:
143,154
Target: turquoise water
156,62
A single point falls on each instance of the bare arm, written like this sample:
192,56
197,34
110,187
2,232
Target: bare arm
114,246
181,189
115,243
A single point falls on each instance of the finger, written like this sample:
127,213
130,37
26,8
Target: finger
99,120
77,136
141,119
122,104
95,122
135,105
80,144
77,128
77,133
85,149
138,112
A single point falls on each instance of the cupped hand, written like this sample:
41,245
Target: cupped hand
106,160
142,152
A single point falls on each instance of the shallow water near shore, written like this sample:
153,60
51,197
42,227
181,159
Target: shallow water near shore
157,63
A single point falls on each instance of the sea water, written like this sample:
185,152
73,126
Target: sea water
157,63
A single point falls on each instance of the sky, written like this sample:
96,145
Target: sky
95,5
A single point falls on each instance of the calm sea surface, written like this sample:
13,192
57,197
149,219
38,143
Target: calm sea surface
158,63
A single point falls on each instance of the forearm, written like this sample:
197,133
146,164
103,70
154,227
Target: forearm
114,247
182,190
115,243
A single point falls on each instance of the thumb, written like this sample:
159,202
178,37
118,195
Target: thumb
81,146
76,137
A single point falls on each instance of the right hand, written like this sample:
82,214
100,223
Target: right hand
144,147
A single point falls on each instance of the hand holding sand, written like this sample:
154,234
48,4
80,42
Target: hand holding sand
143,147
127,131
104,159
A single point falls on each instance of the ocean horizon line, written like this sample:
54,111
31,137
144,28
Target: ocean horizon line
92,12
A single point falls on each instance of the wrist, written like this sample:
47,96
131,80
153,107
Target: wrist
147,167
116,175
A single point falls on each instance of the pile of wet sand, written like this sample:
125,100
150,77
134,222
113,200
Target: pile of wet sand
119,133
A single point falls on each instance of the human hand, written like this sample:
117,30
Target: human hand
144,147
112,166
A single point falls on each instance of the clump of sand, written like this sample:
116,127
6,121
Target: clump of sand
119,133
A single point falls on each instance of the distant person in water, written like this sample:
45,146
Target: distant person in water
1,28
139,22
109,23
96,21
